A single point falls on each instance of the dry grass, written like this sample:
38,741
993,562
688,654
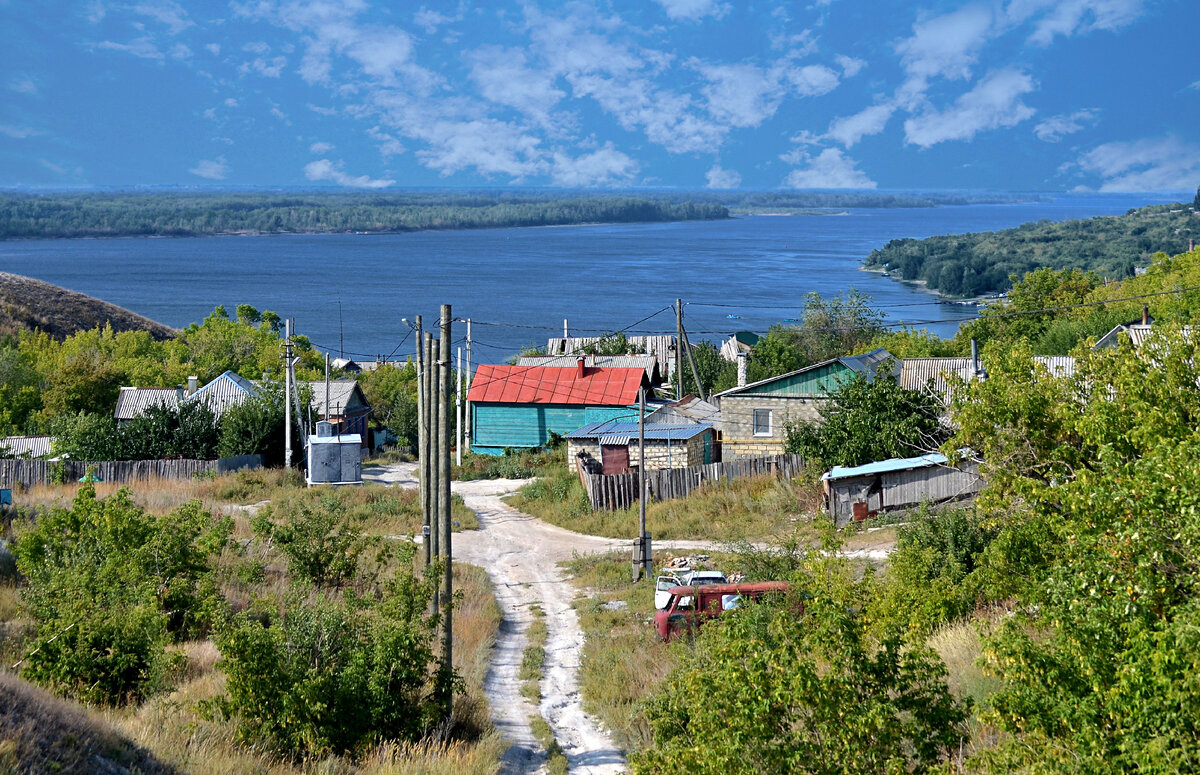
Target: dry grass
747,508
959,647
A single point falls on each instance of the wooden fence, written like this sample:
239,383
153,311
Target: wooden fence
27,473
620,491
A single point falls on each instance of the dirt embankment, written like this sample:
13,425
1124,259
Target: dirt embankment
27,304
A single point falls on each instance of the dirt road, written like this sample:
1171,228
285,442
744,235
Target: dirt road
521,555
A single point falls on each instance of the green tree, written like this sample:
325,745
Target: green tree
255,427
109,587
829,328
768,689
716,373
869,420
392,394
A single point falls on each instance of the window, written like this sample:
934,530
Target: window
762,422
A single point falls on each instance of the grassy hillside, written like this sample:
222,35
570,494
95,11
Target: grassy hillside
983,262
28,304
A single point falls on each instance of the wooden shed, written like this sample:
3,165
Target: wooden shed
860,492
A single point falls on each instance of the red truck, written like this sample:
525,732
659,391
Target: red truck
708,602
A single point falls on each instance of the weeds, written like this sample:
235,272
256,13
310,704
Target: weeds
510,465
556,760
534,656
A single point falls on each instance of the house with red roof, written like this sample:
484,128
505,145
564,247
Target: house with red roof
517,407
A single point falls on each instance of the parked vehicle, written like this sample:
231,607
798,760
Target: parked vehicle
683,578
711,601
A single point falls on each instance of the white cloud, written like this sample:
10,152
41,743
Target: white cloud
324,169
213,48
1195,85
739,95
604,167
848,130
1056,128
1152,164
165,12
851,66
812,80
211,169
22,84
388,145
321,148
504,76
719,177
268,68
829,169
143,47
58,169
18,132
1069,17
180,51
693,10
946,45
993,103
430,20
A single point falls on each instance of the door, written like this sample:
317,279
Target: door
614,459
708,448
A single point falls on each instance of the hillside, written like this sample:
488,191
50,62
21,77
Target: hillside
981,263
28,304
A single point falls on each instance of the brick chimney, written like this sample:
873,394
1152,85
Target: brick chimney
741,368
579,367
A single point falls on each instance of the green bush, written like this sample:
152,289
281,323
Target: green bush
335,674
322,542
109,586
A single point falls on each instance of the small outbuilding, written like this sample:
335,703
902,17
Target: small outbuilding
612,447
859,492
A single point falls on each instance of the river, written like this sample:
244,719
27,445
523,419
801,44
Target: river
349,292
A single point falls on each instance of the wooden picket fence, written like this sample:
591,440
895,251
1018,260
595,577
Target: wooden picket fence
19,474
620,491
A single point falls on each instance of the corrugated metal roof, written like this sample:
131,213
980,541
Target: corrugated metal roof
885,466
932,373
662,346
341,395
1057,365
134,401
27,446
225,391
501,383
867,365
688,408
654,432
647,362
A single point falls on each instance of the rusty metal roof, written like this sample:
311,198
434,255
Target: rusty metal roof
502,383
611,429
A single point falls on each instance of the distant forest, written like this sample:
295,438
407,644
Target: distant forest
987,262
759,201
174,214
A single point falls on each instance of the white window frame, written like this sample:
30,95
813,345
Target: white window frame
754,422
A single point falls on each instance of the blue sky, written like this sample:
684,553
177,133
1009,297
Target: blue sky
1059,95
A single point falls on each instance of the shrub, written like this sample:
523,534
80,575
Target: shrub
109,586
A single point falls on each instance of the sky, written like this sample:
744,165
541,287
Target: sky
1012,95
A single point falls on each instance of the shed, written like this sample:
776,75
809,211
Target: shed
859,492
334,458
741,342
348,407
754,417
31,447
612,447
519,406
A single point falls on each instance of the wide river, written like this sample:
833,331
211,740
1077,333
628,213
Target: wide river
518,285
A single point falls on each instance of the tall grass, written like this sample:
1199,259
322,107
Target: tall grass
750,507
512,465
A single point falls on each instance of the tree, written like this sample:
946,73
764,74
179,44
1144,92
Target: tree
869,420
829,328
716,373
255,427
767,689
392,394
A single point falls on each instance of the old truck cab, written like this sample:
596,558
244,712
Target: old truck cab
708,601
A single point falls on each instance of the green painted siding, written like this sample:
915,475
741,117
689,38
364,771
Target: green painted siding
521,426
817,383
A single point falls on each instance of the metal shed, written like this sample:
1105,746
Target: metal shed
859,492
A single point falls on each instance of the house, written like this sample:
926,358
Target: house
227,390
345,364
741,342
611,447
348,407
860,492
935,376
647,362
754,417
519,407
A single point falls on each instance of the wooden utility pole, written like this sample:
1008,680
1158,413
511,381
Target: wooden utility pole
679,349
687,348
641,549
287,393
428,466
444,488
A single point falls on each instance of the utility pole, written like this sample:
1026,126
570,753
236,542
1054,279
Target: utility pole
341,334
679,349
467,409
565,335
691,356
326,387
287,393
429,468
458,413
642,557
444,495
422,438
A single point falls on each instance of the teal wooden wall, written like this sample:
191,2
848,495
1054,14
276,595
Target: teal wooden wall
523,426
817,383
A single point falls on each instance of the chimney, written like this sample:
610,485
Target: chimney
741,364
579,368
1145,314
977,371
193,385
